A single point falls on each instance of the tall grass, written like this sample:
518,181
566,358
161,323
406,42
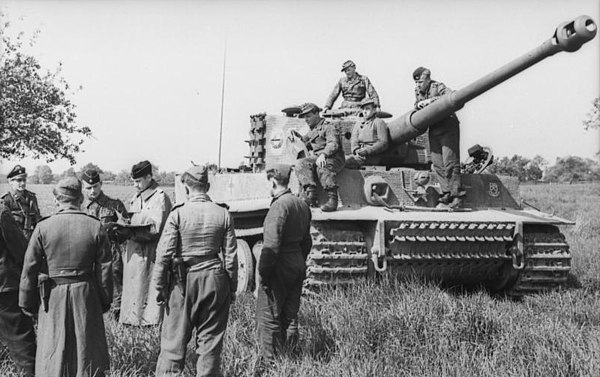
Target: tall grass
418,329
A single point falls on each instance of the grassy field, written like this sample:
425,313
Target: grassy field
416,329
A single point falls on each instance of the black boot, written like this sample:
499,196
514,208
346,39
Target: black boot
332,201
310,196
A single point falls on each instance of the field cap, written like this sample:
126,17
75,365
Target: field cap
308,107
417,72
141,169
367,101
90,176
17,172
69,187
348,64
199,173
279,171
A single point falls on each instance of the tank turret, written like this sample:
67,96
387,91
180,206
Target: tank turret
569,36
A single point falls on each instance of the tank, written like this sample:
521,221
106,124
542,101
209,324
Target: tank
387,222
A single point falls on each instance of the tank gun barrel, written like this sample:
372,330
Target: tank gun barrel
569,36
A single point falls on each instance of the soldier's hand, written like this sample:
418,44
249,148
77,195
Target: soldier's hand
233,297
321,161
161,297
362,152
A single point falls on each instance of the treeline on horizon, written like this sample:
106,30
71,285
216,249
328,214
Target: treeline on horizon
565,170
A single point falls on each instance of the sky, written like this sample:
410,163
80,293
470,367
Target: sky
151,71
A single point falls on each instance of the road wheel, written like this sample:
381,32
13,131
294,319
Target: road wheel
245,266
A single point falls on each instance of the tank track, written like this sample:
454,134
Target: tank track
338,256
547,261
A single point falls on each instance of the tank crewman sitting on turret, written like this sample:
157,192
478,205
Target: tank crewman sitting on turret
326,158
354,88
444,139
369,138
21,202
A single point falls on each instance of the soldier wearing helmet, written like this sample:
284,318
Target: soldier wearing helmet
369,138
354,88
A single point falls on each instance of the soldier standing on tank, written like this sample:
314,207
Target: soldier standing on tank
282,267
326,158
150,207
444,139
202,286
16,329
21,202
354,88
370,138
108,210
67,275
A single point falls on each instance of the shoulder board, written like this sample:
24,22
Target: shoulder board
5,194
224,205
30,192
177,206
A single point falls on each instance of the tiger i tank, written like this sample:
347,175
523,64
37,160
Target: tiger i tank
387,222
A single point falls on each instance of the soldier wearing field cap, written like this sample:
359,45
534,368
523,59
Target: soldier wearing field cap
282,266
325,160
21,202
370,138
444,139
108,210
67,279
354,88
203,285
149,207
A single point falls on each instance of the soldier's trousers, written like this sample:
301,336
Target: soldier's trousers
277,307
444,142
117,270
16,332
355,162
204,307
306,168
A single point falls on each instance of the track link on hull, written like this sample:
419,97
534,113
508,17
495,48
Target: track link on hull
339,255
547,261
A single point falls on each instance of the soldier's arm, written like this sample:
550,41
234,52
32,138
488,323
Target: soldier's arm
157,217
334,94
272,230
16,243
306,243
383,141
354,138
165,251
230,252
333,141
371,91
36,209
103,269
32,264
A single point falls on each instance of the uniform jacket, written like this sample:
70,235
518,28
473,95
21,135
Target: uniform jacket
67,244
105,208
371,134
324,139
437,89
354,89
286,231
24,208
12,251
197,228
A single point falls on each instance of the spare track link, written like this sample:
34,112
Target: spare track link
338,256
547,260
452,252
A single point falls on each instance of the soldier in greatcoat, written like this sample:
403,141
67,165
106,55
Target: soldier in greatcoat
325,160
108,210
150,206
21,202
282,267
202,285
67,279
16,329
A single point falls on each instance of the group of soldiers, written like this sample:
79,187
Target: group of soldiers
370,138
154,263
150,264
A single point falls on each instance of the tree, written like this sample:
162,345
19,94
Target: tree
90,166
573,168
521,167
42,174
593,117
36,117
70,172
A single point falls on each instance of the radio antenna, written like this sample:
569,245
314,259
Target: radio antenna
222,101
